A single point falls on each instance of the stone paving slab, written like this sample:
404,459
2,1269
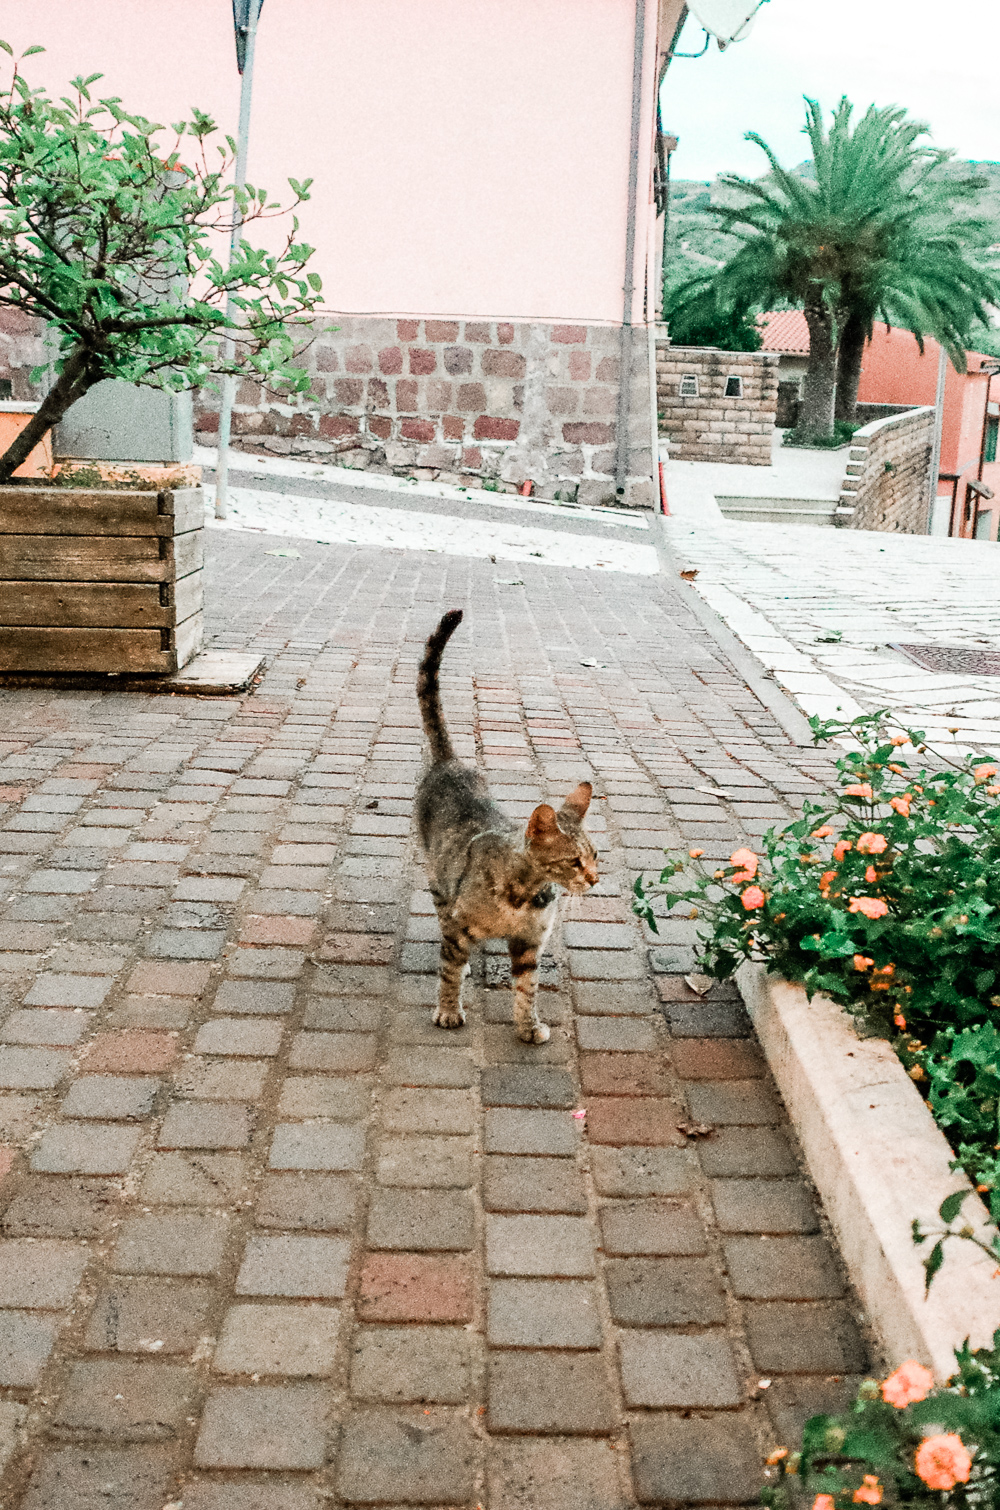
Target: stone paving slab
270,1240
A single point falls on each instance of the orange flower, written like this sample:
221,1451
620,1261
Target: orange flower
862,962
861,790
870,1492
696,853
872,907
824,881
872,844
911,1382
983,773
752,898
840,849
871,874
824,1502
776,1456
822,833
746,860
899,739
943,1461
900,1021
902,803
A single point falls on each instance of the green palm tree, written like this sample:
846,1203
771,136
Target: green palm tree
879,229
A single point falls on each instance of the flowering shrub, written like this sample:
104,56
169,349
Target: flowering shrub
886,897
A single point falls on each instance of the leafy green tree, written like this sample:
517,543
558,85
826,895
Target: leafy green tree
878,228
117,242
697,319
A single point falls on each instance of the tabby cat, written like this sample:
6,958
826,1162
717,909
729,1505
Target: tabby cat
490,880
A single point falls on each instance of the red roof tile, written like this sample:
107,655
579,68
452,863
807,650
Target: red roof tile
785,330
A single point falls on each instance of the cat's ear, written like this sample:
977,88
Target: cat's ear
542,825
578,800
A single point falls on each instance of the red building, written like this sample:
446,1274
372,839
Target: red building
895,373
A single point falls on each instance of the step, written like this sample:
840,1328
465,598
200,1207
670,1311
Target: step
814,511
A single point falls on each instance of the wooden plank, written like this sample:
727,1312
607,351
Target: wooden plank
187,552
188,507
112,605
96,558
188,595
188,639
120,650
81,511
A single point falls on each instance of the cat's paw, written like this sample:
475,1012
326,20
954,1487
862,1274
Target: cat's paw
535,1033
444,1019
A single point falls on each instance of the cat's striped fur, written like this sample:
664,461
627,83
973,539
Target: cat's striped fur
489,878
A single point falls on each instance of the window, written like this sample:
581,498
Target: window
992,425
734,387
6,390
984,524
689,385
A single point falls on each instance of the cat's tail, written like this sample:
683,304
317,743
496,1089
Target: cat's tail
428,693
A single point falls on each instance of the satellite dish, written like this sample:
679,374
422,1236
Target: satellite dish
728,20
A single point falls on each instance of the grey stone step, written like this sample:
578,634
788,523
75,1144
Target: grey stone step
815,511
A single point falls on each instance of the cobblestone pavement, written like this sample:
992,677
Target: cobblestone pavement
821,610
273,1242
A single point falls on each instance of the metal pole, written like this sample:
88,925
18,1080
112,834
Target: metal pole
228,347
625,373
942,373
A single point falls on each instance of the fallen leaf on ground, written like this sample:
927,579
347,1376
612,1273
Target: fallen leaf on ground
508,581
713,791
690,574
700,984
696,1129
296,555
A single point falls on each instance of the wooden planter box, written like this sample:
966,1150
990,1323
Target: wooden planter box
97,580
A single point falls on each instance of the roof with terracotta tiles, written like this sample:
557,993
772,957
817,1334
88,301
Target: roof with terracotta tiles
785,330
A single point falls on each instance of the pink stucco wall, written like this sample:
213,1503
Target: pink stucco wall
470,156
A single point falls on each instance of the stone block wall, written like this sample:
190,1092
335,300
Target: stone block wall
710,426
469,402
887,483
22,348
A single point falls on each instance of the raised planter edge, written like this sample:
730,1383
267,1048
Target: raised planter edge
878,1160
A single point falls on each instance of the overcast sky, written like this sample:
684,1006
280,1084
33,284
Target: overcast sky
942,62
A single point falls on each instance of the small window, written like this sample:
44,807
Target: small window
734,387
992,426
689,385
6,390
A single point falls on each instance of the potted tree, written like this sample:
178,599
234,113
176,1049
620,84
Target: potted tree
110,234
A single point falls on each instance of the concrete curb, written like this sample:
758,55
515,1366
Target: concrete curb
878,1161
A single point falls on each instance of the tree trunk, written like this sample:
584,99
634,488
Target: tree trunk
71,384
816,414
849,355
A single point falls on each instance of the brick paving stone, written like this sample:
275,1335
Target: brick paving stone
57,1206
616,1035
428,1111
531,1132
178,1243
100,1478
263,1426
195,1179
85,1148
427,1460
33,1069
624,1075
672,1369
555,1473
526,1085
316,1202
717,1059
311,1267
791,1402
432,1067
297,1341
135,1053
704,1460
539,1245
313,1147
251,996
643,1171
115,1097
148,1316
223,1080
762,1152
549,1392
425,1162
246,1039
421,1220
250,1494
46,1027
805,1339
154,979
342,1100
411,1365
651,1121
782,1268
341,1053
543,1313
26,1341
652,1227
671,1291
129,1401
772,1206
615,998
204,1124
333,1014
531,1184
415,1287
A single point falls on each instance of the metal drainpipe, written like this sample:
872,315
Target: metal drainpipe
625,350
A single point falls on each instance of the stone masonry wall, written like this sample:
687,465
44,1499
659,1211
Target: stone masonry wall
886,486
470,402
712,426
21,348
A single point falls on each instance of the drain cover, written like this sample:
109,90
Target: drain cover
957,660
